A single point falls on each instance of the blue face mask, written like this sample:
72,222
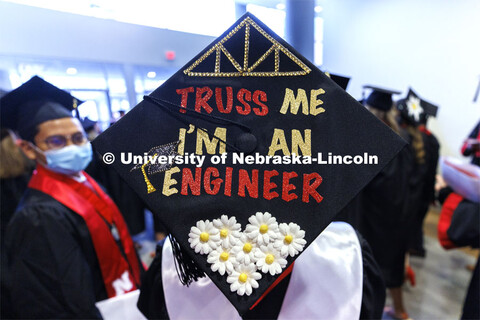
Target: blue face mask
69,160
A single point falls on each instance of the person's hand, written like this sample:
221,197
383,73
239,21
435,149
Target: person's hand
439,183
159,236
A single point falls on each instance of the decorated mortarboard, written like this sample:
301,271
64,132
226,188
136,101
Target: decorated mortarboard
379,98
411,108
33,103
415,110
340,80
266,150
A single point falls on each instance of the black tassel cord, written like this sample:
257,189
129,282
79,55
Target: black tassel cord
187,270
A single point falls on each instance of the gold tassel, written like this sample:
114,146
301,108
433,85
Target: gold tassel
150,187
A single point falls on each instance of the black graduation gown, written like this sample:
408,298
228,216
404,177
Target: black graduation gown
385,216
152,299
127,200
471,305
422,192
53,270
351,213
11,190
464,230
432,149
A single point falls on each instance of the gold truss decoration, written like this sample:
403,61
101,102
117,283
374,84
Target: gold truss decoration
247,71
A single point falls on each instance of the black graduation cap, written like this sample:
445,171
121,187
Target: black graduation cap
88,124
430,108
380,98
340,80
33,103
249,93
415,110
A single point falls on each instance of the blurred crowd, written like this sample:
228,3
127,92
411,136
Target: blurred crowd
389,212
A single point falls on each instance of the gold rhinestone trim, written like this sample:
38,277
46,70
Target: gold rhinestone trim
246,71
247,47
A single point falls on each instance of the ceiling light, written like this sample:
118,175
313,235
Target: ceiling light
151,74
280,6
71,71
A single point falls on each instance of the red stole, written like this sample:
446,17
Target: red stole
120,275
424,129
449,206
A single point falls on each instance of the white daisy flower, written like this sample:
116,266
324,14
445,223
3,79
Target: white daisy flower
204,237
222,260
262,228
291,239
243,279
244,250
270,260
229,230
414,107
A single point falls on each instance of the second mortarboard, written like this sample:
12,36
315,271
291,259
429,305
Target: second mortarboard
88,124
246,154
380,98
340,80
33,103
414,109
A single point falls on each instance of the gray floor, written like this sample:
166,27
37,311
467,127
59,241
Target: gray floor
442,282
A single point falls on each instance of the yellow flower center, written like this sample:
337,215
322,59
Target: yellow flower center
269,258
204,237
247,247
242,277
288,239
263,228
223,233
414,106
224,256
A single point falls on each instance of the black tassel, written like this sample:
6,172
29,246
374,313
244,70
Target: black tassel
187,270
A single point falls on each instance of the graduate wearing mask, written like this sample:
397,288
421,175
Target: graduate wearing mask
253,239
385,214
67,244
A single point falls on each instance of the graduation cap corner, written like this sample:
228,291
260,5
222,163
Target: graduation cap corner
380,98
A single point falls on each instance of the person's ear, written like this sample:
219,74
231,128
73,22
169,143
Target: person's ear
27,148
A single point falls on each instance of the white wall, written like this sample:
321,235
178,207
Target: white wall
431,45
29,31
